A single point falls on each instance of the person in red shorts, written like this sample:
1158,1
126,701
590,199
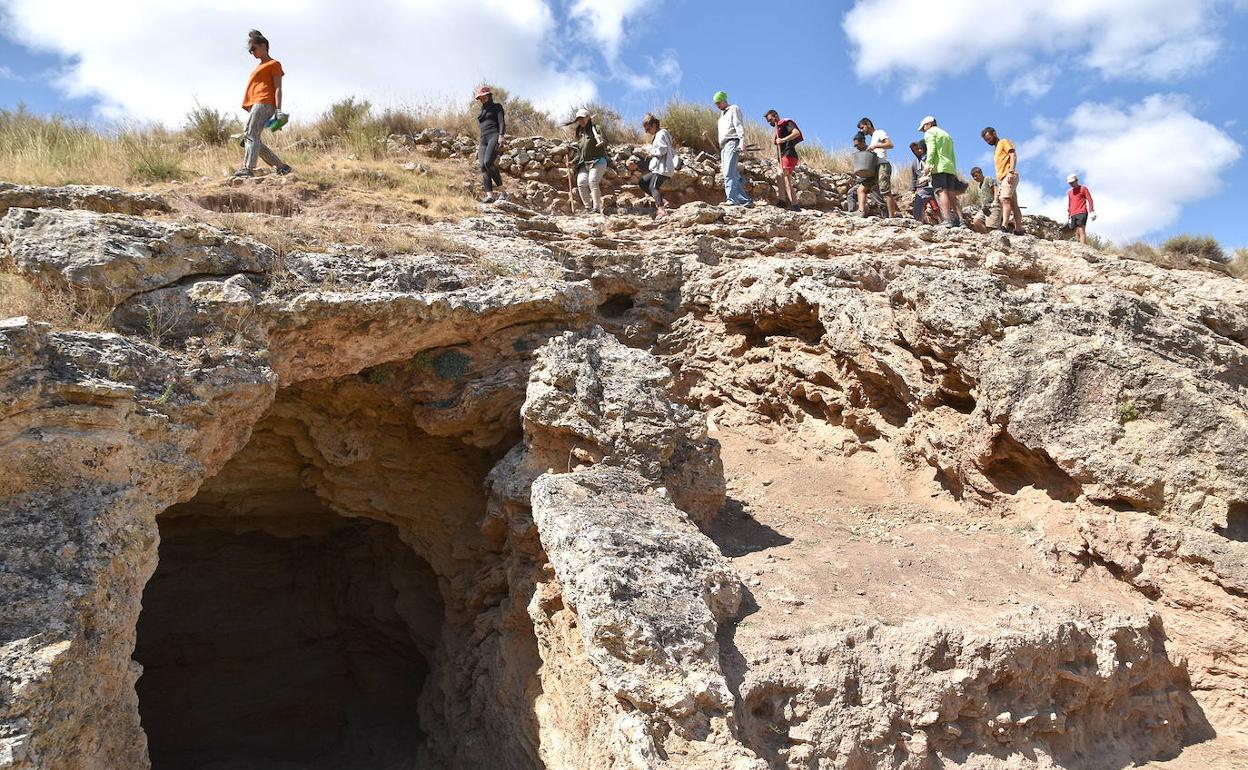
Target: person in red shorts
1079,207
788,135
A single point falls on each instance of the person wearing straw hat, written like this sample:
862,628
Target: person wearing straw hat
731,139
942,164
1079,207
492,122
591,160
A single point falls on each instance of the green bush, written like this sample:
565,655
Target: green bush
1203,246
209,126
342,117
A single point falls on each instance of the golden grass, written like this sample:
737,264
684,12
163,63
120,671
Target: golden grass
59,307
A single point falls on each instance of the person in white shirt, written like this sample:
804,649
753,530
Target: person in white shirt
662,162
879,143
731,137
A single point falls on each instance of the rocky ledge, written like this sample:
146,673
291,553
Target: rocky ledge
452,510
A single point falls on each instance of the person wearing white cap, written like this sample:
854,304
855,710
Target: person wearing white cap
942,164
591,160
1079,208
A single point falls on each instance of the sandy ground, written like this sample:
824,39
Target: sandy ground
828,542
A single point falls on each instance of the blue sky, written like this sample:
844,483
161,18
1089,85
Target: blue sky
1143,98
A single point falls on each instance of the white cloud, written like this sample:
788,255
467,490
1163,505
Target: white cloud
1143,163
155,59
917,41
603,23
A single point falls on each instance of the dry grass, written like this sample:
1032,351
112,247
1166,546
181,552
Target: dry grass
695,126
1238,264
20,297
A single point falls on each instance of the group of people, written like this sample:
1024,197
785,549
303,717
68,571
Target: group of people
935,181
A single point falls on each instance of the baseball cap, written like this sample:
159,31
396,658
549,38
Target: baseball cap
925,121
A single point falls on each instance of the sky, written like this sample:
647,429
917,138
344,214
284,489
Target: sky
1144,99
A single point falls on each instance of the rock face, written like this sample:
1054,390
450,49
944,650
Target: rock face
451,509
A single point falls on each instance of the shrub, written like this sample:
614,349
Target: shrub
1139,251
692,125
341,117
151,158
1203,246
209,126
1238,264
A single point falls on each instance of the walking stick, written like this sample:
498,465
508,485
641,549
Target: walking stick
571,202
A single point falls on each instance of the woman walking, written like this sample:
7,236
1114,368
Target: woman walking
263,102
591,160
662,162
493,127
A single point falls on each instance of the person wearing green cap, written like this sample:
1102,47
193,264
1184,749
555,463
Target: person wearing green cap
731,137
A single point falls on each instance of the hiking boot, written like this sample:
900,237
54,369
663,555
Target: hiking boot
244,173
283,169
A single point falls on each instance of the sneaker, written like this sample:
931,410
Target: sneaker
795,207
660,213
951,223
1020,232
283,170
749,205
489,198
244,173
502,196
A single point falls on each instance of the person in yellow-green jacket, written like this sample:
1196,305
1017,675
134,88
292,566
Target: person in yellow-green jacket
942,164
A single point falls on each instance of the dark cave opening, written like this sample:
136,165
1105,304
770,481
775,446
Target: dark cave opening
294,647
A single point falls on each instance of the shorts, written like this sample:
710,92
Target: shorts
945,181
788,163
1079,220
1008,186
884,177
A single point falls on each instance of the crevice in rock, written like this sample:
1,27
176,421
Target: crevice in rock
1236,522
239,202
616,305
1013,466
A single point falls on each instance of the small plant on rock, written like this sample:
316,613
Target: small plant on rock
1127,411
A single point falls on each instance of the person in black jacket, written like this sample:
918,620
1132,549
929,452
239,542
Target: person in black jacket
493,125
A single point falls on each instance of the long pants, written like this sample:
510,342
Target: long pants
254,147
919,209
651,183
734,190
589,181
487,156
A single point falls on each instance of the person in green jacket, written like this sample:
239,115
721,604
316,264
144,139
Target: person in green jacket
943,166
591,160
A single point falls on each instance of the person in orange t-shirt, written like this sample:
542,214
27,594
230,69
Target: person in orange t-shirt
263,102
1006,161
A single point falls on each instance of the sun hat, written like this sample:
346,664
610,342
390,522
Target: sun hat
720,96
925,121
1072,178
581,113
483,91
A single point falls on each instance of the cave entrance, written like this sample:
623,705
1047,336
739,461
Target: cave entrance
304,645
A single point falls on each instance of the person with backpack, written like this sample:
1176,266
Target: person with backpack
492,124
731,139
1005,157
879,143
867,185
1079,207
263,102
787,137
942,164
662,162
591,160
